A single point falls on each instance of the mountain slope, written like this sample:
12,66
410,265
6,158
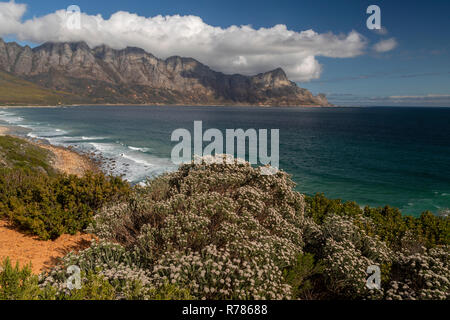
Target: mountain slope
17,91
131,75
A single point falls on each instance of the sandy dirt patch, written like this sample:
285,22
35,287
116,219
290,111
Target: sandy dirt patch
70,162
42,254
3,131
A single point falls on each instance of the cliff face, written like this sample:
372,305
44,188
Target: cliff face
131,75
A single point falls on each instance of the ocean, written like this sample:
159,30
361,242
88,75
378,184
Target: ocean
373,155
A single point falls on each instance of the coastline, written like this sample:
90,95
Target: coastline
69,161
65,160
165,105
3,131
128,153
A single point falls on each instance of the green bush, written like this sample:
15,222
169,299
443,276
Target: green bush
412,252
18,283
94,287
169,292
51,205
303,276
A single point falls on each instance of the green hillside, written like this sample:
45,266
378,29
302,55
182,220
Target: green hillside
16,91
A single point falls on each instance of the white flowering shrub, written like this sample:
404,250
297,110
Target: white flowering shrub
240,228
217,274
220,230
347,251
421,276
110,261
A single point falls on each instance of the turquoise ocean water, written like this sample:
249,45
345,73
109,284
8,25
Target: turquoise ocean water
374,156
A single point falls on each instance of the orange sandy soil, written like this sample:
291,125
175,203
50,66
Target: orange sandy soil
42,254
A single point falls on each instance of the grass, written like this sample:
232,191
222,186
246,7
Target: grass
16,91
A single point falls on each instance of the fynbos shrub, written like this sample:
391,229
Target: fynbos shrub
223,231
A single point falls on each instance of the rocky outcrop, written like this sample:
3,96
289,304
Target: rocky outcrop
132,75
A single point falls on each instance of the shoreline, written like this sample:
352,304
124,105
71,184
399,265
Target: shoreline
165,105
3,131
65,160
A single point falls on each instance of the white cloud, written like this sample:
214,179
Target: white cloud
385,45
235,49
10,14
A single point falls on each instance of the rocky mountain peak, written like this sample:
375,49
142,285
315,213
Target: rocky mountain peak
278,74
275,79
62,46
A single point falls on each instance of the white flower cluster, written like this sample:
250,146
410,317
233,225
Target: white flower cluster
349,251
422,275
112,261
221,229
215,274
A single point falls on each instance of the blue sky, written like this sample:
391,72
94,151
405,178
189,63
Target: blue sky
415,72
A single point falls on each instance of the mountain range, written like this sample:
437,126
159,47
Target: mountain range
74,73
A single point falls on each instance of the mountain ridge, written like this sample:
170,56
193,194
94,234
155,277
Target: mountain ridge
103,75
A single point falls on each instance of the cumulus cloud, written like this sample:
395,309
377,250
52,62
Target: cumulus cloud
10,15
235,49
385,45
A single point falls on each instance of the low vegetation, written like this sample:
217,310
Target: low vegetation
17,153
43,202
49,206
